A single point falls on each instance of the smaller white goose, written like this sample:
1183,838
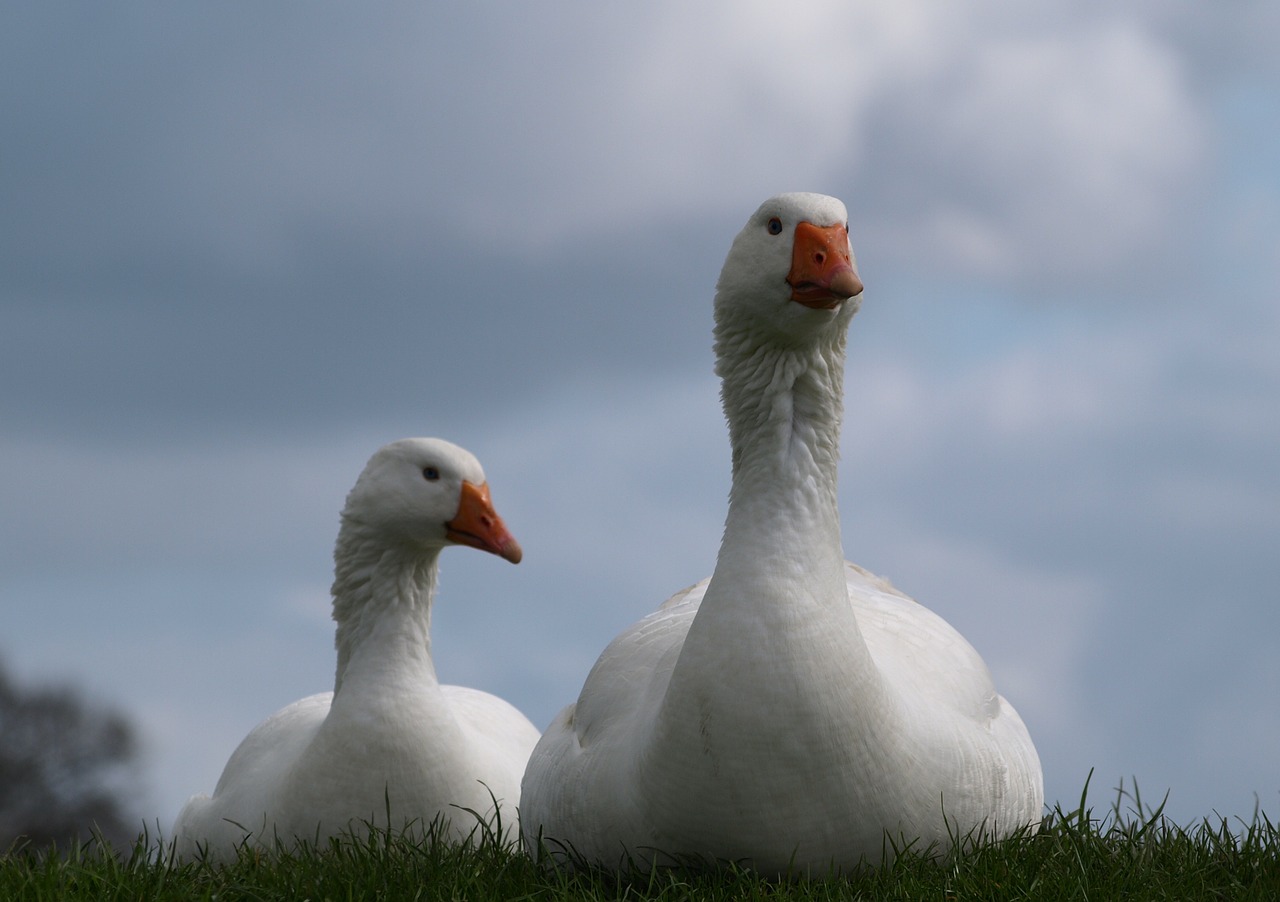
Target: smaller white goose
390,739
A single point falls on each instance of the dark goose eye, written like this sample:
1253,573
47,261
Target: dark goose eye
430,474
775,226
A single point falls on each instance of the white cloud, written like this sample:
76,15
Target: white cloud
1066,147
1021,152
987,140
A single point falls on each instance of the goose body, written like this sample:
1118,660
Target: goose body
792,712
390,746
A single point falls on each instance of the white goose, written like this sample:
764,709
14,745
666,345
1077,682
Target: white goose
793,709
389,739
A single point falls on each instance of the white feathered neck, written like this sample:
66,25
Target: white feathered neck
382,600
777,601
780,402
775,647
783,404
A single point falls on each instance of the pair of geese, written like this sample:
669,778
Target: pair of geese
792,712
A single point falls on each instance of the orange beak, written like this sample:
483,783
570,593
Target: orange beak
822,274
478,525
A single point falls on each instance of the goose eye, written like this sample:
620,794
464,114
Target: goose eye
775,226
430,474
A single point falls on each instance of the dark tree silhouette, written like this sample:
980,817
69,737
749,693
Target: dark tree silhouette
67,769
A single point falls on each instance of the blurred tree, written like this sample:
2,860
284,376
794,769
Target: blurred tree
66,769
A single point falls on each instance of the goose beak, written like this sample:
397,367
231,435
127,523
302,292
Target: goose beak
478,525
822,274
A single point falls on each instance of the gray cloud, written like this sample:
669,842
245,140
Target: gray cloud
245,245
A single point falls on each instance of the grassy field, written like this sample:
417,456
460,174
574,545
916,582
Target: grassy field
1128,852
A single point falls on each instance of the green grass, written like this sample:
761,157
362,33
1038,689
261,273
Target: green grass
1128,852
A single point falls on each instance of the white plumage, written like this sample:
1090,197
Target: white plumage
792,710
389,740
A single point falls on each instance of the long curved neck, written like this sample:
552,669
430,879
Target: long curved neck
774,649
782,399
783,406
382,604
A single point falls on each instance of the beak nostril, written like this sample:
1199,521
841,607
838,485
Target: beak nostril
822,274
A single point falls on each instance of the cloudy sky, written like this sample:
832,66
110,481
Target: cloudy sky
243,245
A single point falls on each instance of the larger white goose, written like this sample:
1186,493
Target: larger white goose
390,739
793,709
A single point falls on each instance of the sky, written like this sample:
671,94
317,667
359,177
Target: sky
243,245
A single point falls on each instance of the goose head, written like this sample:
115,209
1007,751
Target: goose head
425,494
790,273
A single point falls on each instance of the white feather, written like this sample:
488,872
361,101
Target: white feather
390,746
792,711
